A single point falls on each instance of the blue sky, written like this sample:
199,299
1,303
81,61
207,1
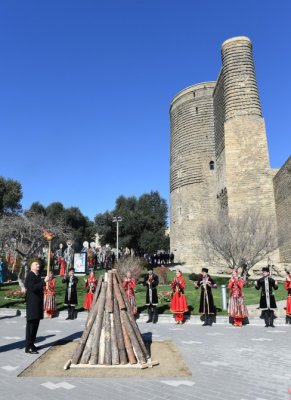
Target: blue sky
85,88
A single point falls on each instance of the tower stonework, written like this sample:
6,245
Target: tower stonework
248,176
191,179
219,151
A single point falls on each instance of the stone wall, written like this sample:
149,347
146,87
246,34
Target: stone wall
282,190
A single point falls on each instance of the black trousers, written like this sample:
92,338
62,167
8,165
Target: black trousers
31,331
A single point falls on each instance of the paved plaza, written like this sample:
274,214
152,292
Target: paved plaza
249,363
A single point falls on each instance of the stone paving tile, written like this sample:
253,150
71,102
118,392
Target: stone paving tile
237,366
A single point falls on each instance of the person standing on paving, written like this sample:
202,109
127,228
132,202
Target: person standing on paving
34,286
267,300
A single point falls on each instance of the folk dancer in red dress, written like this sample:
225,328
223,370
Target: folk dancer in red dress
60,259
90,284
288,305
178,303
207,308
237,310
49,304
128,286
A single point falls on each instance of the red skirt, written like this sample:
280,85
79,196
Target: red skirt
288,306
88,300
178,303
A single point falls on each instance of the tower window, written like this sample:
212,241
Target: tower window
193,94
196,110
211,165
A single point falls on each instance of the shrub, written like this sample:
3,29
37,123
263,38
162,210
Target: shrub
133,264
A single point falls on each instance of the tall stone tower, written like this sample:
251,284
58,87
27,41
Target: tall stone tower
192,177
243,168
219,152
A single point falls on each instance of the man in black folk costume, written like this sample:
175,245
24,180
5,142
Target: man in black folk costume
207,308
151,282
71,296
267,300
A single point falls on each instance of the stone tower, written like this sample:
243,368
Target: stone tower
244,176
219,152
192,177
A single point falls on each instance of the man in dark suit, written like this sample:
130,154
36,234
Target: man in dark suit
34,305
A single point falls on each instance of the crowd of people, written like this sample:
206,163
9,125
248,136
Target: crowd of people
40,297
160,258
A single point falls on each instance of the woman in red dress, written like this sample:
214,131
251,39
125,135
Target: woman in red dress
237,310
63,266
49,304
128,286
288,305
178,303
90,284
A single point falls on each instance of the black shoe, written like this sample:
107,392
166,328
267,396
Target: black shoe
31,351
205,324
149,320
267,326
36,348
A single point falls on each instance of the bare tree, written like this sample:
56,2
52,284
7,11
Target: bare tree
240,241
133,264
24,236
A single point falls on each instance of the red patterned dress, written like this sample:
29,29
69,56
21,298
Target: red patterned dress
62,265
288,305
128,286
178,303
49,304
90,284
237,310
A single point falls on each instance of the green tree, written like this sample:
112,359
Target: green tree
143,223
81,227
55,211
36,208
10,196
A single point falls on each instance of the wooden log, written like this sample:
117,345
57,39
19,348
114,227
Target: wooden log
128,346
149,364
119,335
68,364
109,298
107,331
117,293
89,344
131,316
90,321
97,291
98,325
114,347
88,348
135,343
101,353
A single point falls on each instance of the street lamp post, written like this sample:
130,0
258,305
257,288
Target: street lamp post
117,220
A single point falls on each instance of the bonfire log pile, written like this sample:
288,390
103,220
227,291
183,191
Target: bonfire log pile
111,336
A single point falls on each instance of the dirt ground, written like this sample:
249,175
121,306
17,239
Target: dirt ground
51,363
